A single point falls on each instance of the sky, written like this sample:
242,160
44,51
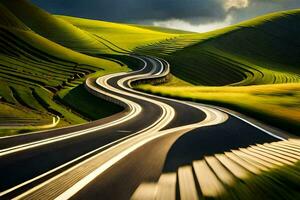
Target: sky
192,15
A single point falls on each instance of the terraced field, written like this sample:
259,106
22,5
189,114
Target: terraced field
123,37
44,60
251,67
34,69
21,118
276,104
264,51
258,51
30,77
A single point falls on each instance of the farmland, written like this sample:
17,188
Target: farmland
45,59
259,51
255,65
33,69
122,38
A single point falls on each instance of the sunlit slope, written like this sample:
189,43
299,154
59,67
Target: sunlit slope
122,37
30,77
162,29
53,28
34,69
276,104
260,51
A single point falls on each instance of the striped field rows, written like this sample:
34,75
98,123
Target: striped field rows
238,174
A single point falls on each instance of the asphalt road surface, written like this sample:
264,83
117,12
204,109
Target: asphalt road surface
110,158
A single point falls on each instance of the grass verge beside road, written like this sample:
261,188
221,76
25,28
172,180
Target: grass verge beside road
277,104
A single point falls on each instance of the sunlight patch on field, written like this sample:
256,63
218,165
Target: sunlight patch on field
278,104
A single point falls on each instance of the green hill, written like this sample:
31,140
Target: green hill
53,28
36,72
260,51
122,37
162,29
44,60
256,62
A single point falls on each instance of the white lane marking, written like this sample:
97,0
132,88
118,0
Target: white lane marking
135,109
161,122
244,120
100,81
205,121
214,107
83,182
64,137
258,127
214,117
39,132
68,163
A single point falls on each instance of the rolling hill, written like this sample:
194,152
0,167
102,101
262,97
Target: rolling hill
123,37
256,63
34,69
259,51
44,60
53,28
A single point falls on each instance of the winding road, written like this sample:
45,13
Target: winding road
112,157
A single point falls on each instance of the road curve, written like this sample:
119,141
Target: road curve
136,144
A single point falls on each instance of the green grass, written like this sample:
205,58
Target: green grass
77,98
44,60
259,51
34,69
53,28
162,29
256,63
278,104
122,37
15,115
31,69
28,68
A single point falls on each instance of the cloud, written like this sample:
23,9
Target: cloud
200,28
189,14
237,4
137,10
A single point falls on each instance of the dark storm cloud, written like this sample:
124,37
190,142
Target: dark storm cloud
136,10
193,12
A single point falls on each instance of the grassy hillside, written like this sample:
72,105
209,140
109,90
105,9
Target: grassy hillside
278,105
32,77
44,60
34,70
53,28
264,51
42,65
122,37
260,51
162,29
